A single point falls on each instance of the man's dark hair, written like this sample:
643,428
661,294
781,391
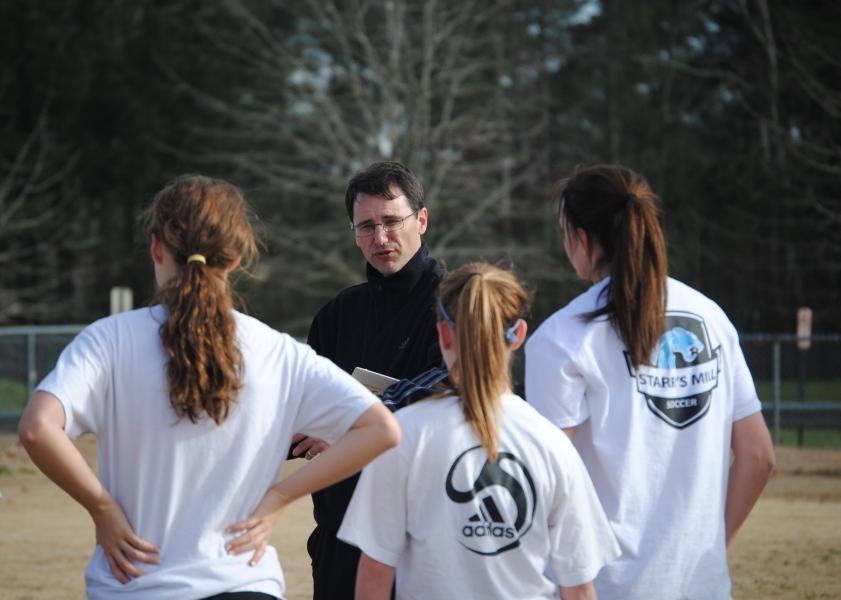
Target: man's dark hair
378,179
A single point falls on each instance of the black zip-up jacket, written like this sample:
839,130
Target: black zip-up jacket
386,325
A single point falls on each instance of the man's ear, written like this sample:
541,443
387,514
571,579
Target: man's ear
446,339
156,249
423,220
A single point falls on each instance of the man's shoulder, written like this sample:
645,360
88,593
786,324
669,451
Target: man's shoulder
333,314
353,291
351,294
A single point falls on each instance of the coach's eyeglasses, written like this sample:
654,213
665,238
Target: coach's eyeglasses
367,229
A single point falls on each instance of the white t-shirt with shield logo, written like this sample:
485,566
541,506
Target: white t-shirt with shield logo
181,483
656,442
458,526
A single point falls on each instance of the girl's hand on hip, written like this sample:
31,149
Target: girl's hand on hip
122,547
255,531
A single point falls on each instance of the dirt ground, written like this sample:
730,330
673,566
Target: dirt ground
789,548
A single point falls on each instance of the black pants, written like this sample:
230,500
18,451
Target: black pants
333,565
242,596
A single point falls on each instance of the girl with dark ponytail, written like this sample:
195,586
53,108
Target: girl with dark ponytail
619,236
647,376
194,406
479,498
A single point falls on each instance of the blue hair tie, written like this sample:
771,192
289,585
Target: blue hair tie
511,332
444,313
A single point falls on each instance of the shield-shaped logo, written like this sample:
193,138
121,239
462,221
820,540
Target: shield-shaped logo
679,383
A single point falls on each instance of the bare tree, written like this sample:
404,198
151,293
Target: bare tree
34,200
436,85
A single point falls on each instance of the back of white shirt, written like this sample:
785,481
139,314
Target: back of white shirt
655,441
458,526
181,483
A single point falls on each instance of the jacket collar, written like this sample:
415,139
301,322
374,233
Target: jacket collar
405,279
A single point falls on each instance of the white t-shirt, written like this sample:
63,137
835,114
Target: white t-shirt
456,526
657,442
181,483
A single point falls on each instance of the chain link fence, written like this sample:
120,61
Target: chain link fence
799,383
800,388
27,354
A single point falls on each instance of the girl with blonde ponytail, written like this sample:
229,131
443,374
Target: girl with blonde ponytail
194,406
648,376
480,497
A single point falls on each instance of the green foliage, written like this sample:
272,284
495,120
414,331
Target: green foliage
12,395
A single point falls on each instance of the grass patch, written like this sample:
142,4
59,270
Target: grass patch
812,438
12,394
814,390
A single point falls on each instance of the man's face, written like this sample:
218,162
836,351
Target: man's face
388,251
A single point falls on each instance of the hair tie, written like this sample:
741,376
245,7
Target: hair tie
630,198
197,258
511,332
444,313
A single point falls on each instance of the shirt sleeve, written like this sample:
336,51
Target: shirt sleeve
376,521
81,380
407,391
331,400
582,541
554,383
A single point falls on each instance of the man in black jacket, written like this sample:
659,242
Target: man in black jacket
386,324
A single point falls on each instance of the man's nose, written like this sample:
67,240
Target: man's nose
380,234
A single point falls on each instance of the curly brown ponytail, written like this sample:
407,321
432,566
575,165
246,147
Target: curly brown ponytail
208,222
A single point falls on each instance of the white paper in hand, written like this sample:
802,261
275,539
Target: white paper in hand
376,382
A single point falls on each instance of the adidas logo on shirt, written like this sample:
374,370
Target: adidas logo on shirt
498,499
